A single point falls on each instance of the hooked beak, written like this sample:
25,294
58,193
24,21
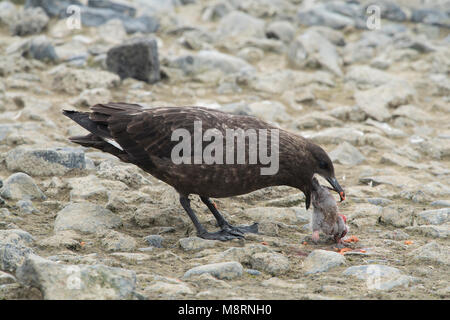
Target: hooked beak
336,187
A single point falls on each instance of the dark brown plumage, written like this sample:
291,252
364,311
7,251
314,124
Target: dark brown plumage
143,137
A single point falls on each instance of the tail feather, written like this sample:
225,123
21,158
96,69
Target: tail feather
93,141
83,119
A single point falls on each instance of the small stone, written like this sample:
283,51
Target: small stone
85,217
29,21
347,154
154,240
135,59
272,263
116,241
21,186
379,277
322,260
63,239
397,216
15,237
223,270
12,256
196,244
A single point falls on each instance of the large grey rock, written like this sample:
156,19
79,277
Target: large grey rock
224,270
397,216
45,162
29,21
322,260
120,7
432,252
74,81
15,237
435,217
377,101
21,186
431,231
137,59
379,277
282,30
238,24
389,10
319,16
76,282
346,154
431,16
12,256
209,61
85,217
313,50
272,263
143,24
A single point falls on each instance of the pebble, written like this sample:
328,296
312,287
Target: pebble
45,162
379,277
85,217
322,261
272,263
223,270
196,243
20,186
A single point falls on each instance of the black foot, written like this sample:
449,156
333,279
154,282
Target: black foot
244,228
222,235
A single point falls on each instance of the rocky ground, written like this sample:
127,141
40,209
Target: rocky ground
76,223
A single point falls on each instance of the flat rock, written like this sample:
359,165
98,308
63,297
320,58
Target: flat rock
432,252
322,260
21,186
397,216
76,282
12,256
28,21
196,244
75,81
223,270
154,240
379,277
347,154
238,24
433,231
15,237
45,162
85,217
311,49
116,241
435,217
272,263
377,101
